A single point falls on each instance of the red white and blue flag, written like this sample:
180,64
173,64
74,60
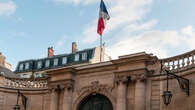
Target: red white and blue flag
103,17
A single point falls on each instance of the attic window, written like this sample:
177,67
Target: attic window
26,66
76,57
21,66
39,64
47,63
55,62
84,56
64,60
1,73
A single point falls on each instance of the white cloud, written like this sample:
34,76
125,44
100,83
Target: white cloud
124,14
76,2
159,43
7,8
136,34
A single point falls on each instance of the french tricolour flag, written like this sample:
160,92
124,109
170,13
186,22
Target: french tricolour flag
103,17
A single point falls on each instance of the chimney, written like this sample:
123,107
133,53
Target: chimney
50,51
74,47
2,59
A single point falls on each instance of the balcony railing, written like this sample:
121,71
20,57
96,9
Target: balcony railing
180,62
23,83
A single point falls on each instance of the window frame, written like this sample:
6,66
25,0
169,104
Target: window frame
27,67
63,61
84,56
21,67
39,64
76,57
47,63
55,62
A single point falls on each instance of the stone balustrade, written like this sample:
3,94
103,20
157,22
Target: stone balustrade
23,83
180,62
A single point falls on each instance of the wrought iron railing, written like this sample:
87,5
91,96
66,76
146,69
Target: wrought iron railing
180,62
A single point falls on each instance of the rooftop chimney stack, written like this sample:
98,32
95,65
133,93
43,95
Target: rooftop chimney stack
74,47
50,51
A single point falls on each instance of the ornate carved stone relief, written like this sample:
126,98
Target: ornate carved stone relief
95,87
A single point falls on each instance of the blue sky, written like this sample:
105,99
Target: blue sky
162,27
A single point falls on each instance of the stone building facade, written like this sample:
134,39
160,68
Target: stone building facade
3,62
131,82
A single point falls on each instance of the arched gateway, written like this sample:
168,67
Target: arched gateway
95,102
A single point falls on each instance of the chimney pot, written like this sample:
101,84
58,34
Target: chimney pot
74,47
50,51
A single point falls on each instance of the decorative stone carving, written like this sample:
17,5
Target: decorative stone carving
95,87
121,79
67,85
140,77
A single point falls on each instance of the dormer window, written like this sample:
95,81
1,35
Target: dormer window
21,66
47,62
84,56
39,64
55,62
64,60
27,66
25,76
2,73
76,57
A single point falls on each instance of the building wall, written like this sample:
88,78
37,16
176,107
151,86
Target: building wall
132,82
3,62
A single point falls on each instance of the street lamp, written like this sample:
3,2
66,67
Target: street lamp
167,95
183,82
16,107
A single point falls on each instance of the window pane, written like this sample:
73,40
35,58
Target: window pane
55,62
47,63
76,57
64,60
26,66
39,65
84,56
21,66
25,76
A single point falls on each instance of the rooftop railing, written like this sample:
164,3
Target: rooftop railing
22,83
180,62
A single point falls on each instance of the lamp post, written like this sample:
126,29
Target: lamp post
183,82
167,95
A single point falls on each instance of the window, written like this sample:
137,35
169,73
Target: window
76,57
64,60
47,62
1,73
25,76
21,66
55,62
37,75
26,66
84,56
39,64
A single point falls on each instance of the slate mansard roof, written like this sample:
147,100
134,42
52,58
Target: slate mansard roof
70,60
7,73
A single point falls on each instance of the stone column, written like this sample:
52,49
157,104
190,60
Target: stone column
140,94
67,100
54,99
122,94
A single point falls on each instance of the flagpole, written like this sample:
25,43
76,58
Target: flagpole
100,48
